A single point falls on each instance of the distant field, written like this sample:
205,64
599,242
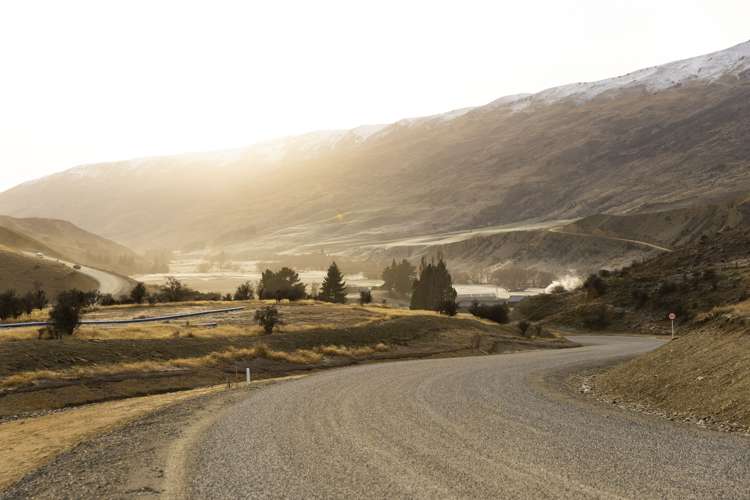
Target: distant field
21,272
101,363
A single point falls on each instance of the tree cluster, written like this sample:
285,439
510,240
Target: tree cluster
13,305
434,288
284,284
399,277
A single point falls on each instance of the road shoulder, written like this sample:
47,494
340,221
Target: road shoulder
140,458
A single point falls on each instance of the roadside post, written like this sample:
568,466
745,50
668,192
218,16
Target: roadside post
247,375
672,317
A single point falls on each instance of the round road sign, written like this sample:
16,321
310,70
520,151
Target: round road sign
672,316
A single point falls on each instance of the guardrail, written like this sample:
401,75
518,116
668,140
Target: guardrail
127,321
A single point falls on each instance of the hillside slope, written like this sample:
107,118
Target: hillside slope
61,239
691,281
664,135
23,273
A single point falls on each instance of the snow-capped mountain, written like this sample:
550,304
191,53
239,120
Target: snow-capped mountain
662,136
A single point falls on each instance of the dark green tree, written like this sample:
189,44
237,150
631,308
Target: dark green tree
11,305
365,297
333,288
284,284
399,277
244,292
138,293
434,288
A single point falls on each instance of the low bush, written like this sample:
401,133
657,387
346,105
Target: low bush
268,317
596,317
497,312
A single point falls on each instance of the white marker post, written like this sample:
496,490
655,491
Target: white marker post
672,317
247,375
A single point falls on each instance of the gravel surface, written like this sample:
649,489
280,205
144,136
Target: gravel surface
486,427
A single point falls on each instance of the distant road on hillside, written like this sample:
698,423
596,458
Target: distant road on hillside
474,427
109,283
636,242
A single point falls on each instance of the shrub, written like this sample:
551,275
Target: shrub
523,327
365,297
138,293
65,316
640,297
497,312
596,318
268,317
595,286
666,288
449,308
107,300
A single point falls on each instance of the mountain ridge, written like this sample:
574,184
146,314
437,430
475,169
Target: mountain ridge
488,165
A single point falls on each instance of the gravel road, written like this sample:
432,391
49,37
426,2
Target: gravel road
488,427
477,427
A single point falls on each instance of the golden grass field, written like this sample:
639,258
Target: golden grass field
111,362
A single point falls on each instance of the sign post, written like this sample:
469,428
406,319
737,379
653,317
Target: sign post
672,317
247,375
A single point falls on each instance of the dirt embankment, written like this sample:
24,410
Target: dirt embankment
702,377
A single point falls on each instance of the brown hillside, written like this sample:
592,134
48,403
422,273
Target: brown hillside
22,273
615,153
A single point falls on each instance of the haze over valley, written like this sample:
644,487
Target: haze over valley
541,291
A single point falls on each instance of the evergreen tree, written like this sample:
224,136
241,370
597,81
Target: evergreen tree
434,288
333,288
284,284
138,293
399,277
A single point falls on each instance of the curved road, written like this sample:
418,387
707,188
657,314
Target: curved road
478,427
109,283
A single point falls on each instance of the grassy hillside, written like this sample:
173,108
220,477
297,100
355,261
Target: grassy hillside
114,362
58,238
22,273
689,281
13,241
702,376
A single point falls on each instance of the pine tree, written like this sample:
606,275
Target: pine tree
434,288
333,288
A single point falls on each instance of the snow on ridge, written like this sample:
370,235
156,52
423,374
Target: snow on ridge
708,68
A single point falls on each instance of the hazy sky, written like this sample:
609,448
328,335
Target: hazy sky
82,81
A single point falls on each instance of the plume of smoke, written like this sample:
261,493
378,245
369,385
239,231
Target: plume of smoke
569,282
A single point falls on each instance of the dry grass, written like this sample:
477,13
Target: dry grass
298,356
705,373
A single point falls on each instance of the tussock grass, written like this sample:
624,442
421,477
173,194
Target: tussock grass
299,356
